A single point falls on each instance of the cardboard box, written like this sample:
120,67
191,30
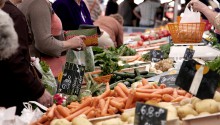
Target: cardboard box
212,119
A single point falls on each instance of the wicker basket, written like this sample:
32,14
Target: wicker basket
103,79
186,32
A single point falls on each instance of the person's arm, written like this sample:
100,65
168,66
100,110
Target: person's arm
40,18
210,14
119,37
136,12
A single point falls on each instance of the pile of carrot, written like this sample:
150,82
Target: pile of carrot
113,101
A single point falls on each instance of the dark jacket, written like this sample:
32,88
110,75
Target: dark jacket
111,8
70,13
20,82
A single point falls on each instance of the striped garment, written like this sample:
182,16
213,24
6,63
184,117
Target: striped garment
94,8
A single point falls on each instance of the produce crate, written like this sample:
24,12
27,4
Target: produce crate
103,79
212,119
186,32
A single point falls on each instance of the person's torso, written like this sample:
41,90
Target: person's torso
126,12
148,11
110,25
76,14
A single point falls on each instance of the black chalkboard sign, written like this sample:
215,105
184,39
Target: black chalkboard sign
149,115
72,79
156,55
208,84
169,80
189,54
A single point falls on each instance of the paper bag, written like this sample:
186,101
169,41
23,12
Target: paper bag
190,17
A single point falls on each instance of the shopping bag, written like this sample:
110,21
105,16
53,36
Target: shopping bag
189,16
190,74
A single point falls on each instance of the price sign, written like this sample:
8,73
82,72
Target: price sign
189,54
149,115
72,79
156,55
169,80
207,85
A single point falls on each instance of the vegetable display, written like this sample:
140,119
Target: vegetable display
114,101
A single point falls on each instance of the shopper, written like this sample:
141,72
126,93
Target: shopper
126,11
212,16
146,11
72,13
111,7
112,27
46,31
95,9
22,84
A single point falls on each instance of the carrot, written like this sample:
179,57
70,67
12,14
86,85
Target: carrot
62,111
85,103
43,119
91,114
119,99
129,100
87,111
181,92
111,93
117,105
146,90
144,95
39,124
155,86
175,94
98,112
95,102
162,86
178,99
168,90
47,123
104,110
57,114
75,114
124,88
139,85
112,110
146,87
188,95
119,91
167,98
144,81
106,93
50,114
101,104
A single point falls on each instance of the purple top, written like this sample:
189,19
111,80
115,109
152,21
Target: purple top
71,14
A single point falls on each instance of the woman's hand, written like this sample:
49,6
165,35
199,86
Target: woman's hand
197,5
77,42
46,99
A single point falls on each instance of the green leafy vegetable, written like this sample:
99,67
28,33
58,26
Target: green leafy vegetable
166,50
45,66
214,65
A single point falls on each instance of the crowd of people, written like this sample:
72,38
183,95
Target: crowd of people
35,28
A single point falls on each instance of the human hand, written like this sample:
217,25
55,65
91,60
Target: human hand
46,99
197,5
77,42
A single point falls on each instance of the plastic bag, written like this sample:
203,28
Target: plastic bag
84,58
190,17
48,78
